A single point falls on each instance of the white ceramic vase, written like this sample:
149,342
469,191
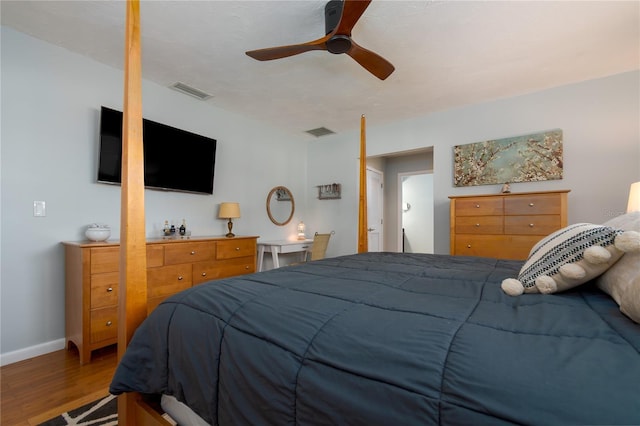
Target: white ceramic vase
97,232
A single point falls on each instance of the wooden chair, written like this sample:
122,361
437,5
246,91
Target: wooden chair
319,246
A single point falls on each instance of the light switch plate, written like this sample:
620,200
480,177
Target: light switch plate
39,209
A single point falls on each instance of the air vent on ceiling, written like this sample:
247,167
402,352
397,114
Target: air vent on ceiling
191,91
320,131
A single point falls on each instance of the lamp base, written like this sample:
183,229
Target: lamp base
230,225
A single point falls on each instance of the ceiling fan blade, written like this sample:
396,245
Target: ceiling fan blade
337,41
352,10
285,51
371,61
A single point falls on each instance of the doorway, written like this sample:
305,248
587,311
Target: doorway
375,205
390,166
415,193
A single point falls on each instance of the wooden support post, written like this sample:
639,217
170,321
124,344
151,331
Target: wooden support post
132,303
363,236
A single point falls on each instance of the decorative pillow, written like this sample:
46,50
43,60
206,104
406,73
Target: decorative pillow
630,305
571,256
622,280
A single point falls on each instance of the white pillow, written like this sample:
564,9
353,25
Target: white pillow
622,280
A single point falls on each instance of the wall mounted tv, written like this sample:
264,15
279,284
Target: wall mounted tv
174,159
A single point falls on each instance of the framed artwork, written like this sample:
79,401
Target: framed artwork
527,158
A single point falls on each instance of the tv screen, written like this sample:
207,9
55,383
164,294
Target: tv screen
174,159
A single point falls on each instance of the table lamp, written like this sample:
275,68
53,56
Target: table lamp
301,228
634,198
229,211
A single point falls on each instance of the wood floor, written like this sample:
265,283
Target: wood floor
38,389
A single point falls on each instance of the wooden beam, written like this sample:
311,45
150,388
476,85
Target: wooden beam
132,303
363,236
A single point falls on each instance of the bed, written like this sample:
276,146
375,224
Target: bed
369,338
388,338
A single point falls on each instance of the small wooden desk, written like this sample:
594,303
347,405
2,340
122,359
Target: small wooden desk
282,246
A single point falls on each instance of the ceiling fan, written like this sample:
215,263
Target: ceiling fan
340,18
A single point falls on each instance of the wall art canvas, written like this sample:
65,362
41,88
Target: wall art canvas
527,158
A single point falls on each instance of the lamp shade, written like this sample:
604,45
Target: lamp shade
634,198
229,211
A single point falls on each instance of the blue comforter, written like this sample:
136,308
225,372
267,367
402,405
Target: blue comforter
388,339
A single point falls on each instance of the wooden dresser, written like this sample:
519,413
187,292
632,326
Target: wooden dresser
92,276
505,226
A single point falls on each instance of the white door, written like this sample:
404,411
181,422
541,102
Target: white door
374,209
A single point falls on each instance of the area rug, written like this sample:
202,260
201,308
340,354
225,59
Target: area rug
101,412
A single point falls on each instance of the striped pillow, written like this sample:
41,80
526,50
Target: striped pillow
566,246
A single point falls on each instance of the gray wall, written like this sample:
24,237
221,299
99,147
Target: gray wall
50,114
601,124
50,102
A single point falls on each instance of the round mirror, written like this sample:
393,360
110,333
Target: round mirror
280,205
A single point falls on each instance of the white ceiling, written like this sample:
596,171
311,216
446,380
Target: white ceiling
446,53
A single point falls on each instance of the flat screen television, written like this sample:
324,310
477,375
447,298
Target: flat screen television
174,159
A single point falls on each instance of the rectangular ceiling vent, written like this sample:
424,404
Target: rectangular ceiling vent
320,131
191,91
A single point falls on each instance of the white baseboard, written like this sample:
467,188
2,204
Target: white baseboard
32,351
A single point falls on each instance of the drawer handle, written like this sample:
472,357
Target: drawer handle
477,225
179,277
193,252
110,289
109,323
468,245
530,204
237,248
246,267
305,247
477,206
204,274
531,225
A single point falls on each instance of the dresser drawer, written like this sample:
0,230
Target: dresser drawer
206,271
480,206
480,225
104,324
105,259
295,248
104,290
155,255
153,303
519,246
532,225
514,247
532,204
188,252
479,245
235,248
168,280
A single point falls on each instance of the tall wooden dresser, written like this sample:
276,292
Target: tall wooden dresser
505,226
92,276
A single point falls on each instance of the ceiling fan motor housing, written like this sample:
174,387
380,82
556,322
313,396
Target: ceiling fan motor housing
339,44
